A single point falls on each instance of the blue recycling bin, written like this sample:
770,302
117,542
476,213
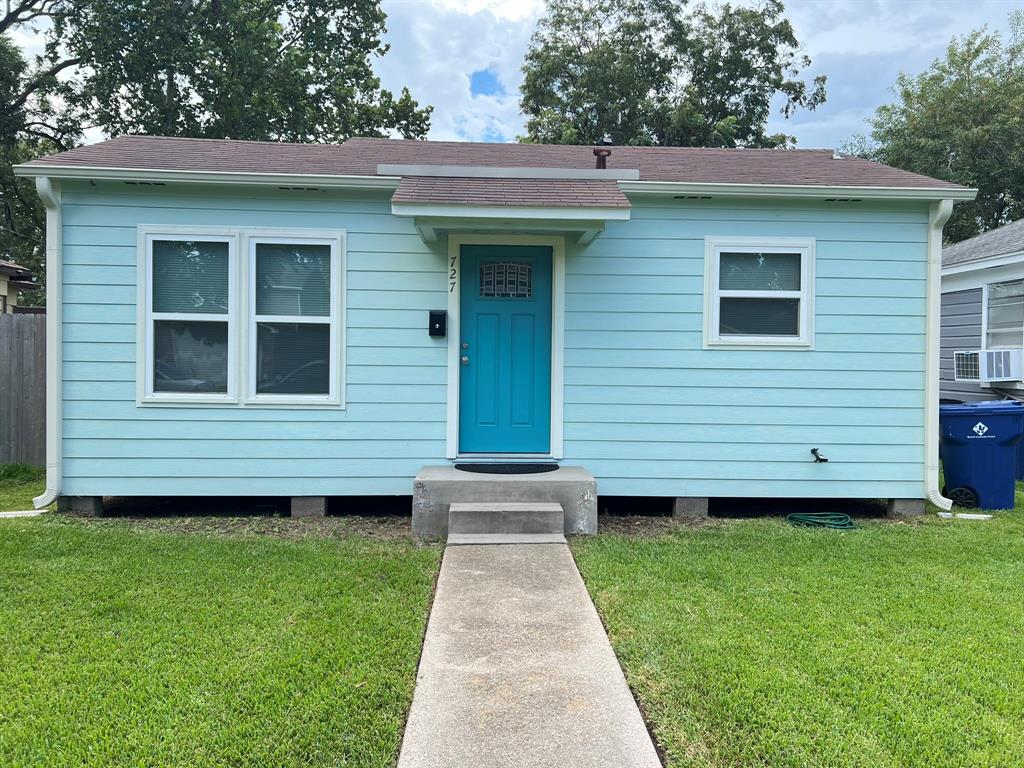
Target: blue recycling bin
978,446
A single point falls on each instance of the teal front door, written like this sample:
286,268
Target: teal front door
505,349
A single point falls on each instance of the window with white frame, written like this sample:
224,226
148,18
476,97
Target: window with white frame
289,349
760,292
1004,315
293,336
189,324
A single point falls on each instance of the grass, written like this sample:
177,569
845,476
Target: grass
19,483
129,647
754,643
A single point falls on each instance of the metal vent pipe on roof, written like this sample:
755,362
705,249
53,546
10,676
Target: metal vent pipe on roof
602,153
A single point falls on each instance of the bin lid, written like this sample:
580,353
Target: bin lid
985,406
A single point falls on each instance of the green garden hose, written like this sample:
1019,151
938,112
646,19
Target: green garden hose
835,520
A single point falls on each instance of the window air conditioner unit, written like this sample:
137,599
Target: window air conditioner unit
1001,365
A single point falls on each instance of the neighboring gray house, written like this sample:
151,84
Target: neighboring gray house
982,335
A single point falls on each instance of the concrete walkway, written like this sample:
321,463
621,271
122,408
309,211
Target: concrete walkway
517,671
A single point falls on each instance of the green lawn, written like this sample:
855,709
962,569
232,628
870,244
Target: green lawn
753,643
121,646
18,485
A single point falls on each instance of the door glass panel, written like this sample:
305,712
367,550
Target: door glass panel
506,280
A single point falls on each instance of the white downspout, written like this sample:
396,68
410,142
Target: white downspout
49,192
937,217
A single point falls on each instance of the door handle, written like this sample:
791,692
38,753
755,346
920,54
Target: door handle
465,360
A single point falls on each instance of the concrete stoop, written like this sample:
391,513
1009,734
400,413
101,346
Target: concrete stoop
513,522
449,501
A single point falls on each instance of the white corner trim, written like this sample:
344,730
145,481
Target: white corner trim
509,212
805,246
815,191
49,193
111,173
937,217
487,172
557,245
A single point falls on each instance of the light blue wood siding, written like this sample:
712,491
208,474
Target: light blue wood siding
647,410
394,419
650,412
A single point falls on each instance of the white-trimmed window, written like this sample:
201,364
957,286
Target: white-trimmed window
217,328
295,318
1004,314
190,306
759,292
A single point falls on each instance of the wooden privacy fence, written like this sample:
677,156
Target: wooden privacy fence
23,389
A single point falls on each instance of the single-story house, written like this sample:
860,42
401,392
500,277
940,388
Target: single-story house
310,321
983,316
13,278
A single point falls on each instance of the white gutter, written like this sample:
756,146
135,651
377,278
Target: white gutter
49,192
937,217
812,191
320,181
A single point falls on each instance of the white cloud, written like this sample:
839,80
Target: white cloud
437,44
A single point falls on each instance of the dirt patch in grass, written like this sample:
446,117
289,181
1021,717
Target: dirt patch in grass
244,517
645,526
295,529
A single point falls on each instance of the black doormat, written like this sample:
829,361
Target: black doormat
507,469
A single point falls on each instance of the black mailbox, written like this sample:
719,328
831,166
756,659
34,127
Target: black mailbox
438,322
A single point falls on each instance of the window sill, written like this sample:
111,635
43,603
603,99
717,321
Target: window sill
187,401
759,343
294,401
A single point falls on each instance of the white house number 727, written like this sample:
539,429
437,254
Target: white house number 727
451,276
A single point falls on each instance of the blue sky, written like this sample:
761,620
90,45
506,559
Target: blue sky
463,56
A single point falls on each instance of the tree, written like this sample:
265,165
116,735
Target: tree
646,72
962,120
289,70
277,70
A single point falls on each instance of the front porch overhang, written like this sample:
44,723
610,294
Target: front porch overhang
583,224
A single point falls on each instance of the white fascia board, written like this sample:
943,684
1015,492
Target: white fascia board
485,172
322,181
977,278
675,188
506,212
429,227
1001,260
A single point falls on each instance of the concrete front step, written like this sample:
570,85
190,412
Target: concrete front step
435,489
465,539
506,517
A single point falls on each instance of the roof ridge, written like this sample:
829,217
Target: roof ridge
209,139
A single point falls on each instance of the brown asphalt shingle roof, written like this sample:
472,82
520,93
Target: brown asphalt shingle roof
1001,241
815,167
552,193
15,270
